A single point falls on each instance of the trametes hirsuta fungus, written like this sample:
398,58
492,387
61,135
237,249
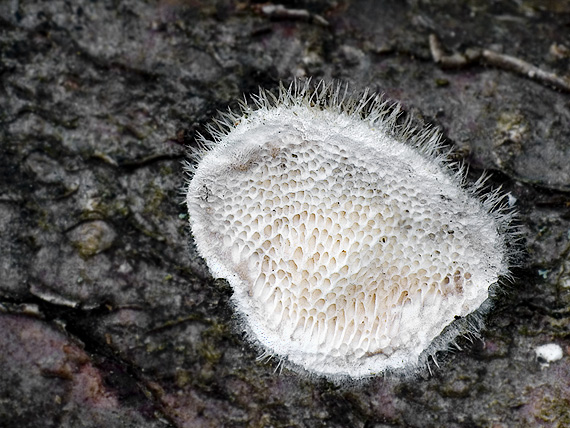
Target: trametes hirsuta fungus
350,241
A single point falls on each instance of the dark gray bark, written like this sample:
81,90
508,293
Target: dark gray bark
107,318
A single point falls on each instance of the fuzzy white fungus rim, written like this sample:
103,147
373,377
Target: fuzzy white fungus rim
349,242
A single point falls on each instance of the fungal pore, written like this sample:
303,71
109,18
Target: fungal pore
349,240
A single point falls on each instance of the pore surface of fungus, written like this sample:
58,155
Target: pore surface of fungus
350,243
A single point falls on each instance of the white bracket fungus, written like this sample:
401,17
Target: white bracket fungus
350,241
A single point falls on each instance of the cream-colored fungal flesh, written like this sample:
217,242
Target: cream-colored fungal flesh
348,249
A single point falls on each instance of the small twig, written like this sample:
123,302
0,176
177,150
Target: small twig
526,69
457,60
495,59
279,11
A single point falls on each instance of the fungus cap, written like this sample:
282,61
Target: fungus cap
349,241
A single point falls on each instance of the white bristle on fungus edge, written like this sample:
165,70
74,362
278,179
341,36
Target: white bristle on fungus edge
353,245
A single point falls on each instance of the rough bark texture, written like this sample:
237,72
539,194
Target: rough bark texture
107,318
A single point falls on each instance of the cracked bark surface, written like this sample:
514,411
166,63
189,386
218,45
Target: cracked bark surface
108,318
